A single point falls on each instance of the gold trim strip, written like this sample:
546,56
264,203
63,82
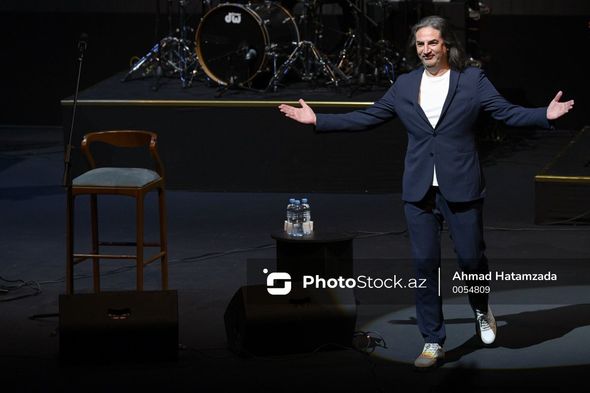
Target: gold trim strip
215,103
562,179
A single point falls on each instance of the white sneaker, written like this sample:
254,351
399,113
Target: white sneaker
432,355
485,326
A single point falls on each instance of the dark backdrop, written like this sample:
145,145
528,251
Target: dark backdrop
534,48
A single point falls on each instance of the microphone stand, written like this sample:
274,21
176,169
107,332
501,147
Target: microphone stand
67,178
361,67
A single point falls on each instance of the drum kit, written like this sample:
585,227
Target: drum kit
259,45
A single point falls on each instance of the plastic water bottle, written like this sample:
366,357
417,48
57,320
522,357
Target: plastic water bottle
297,219
306,213
290,216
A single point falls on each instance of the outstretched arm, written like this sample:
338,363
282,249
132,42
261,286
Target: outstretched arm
304,115
359,120
515,115
557,109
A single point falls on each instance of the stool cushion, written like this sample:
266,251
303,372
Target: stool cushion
116,177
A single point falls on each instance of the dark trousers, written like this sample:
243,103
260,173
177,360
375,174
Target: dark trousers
425,219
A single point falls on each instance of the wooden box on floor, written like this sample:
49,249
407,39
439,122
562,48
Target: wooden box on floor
118,326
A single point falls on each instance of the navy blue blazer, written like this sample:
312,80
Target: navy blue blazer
451,144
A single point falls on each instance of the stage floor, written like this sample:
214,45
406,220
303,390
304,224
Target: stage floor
212,238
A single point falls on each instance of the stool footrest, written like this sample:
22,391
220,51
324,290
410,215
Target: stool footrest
102,256
82,257
128,244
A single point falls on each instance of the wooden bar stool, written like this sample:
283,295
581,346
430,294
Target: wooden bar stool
133,182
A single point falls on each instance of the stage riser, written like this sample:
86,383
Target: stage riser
561,203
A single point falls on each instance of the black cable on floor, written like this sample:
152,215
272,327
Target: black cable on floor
35,317
33,285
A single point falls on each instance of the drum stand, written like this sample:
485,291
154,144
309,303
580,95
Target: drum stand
234,85
380,63
311,59
170,56
310,56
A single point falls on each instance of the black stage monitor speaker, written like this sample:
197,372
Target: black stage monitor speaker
115,326
257,323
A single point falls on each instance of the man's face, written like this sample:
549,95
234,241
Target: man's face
431,49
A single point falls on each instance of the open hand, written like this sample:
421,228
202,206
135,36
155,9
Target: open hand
557,109
303,115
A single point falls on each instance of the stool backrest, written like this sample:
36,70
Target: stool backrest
124,139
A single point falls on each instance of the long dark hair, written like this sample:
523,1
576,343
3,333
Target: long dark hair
456,54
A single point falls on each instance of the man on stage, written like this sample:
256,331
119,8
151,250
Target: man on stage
438,103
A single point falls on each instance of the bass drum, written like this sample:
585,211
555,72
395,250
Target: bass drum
235,42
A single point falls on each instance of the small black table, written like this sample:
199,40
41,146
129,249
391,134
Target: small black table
327,254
